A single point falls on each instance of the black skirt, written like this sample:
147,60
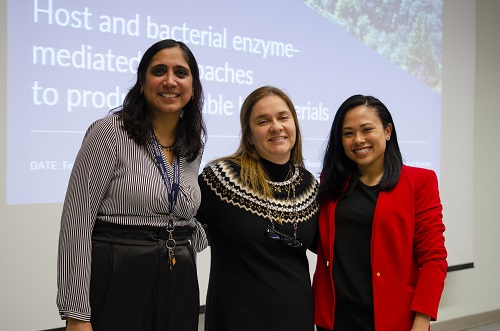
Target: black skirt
132,287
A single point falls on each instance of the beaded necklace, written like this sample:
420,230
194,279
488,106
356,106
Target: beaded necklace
288,185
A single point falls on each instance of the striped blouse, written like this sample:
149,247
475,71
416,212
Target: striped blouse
115,180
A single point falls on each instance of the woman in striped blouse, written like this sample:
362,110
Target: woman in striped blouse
128,236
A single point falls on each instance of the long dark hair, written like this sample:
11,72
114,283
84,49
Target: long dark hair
137,119
338,168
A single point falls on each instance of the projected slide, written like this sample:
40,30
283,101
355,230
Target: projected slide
71,62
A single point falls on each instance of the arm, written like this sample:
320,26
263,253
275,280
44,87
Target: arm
89,179
189,200
323,287
77,325
429,248
206,210
421,322
314,244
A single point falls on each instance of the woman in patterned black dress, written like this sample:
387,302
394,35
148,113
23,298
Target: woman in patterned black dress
261,210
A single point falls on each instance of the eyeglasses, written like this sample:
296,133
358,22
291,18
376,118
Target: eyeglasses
276,235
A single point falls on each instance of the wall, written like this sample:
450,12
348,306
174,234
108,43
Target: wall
477,290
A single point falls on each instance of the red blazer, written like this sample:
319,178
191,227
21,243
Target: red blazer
408,256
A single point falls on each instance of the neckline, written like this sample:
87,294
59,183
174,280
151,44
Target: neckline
371,187
277,172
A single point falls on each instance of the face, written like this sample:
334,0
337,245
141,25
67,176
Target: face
272,129
364,138
168,85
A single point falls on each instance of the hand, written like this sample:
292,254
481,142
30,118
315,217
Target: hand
421,322
77,325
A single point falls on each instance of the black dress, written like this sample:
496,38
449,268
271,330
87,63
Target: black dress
258,283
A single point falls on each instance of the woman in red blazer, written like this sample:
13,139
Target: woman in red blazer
381,261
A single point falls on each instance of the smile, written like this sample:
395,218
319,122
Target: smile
362,150
168,95
277,139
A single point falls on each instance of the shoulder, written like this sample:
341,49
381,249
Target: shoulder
101,140
307,189
417,173
308,175
105,124
418,177
221,168
222,163
112,119
308,181
222,178
196,162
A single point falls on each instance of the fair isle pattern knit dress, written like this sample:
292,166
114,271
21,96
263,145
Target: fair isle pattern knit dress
258,283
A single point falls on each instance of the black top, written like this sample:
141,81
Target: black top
352,262
257,283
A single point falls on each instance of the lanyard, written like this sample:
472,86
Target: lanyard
172,187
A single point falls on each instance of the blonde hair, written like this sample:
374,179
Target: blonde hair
253,174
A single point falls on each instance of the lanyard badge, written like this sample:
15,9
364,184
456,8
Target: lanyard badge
172,192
